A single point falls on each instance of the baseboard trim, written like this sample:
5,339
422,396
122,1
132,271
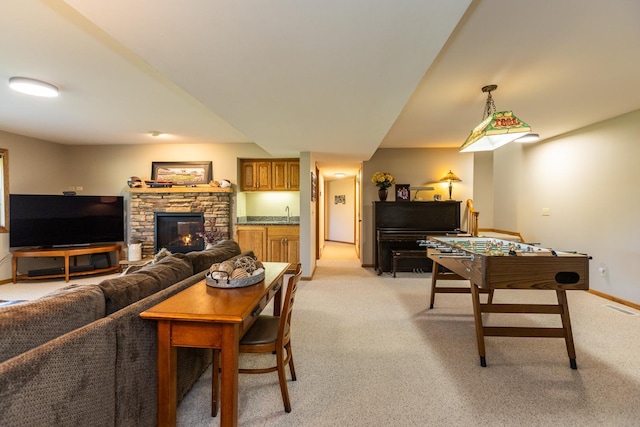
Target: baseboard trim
615,299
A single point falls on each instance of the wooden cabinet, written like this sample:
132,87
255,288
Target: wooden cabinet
256,175
270,175
286,175
276,243
284,244
253,237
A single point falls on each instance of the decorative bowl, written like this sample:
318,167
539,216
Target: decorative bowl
228,283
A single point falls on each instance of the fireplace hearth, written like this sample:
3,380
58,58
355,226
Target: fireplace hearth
179,232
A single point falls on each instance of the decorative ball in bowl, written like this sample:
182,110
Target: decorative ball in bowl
238,273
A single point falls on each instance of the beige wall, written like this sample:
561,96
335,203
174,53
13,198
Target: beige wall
589,180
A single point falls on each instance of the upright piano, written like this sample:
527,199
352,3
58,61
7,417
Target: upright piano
400,225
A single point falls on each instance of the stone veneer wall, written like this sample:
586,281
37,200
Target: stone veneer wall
215,203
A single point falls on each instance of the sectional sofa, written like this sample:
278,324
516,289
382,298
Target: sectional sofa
82,356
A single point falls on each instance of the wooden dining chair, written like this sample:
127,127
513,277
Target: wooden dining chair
268,334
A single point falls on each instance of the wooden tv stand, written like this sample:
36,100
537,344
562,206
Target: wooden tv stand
66,252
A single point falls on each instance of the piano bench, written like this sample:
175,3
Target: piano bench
397,254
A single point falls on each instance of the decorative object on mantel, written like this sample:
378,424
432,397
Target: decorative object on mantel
134,182
450,177
182,173
158,184
383,180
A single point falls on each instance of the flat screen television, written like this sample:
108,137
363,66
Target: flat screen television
57,220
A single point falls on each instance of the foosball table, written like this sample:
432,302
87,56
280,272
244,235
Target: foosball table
491,264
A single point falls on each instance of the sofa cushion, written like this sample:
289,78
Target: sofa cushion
121,291
29,324
68,381
169,270
222,250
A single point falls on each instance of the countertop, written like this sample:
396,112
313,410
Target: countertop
268,220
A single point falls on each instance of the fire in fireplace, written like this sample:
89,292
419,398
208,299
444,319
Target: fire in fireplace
179,232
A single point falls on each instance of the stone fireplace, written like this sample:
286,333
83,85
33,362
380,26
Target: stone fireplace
213,203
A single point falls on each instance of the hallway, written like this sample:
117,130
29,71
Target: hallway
338,251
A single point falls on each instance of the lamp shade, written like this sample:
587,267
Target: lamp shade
495,131
450,177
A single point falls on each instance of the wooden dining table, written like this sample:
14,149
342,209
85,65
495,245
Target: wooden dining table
202,316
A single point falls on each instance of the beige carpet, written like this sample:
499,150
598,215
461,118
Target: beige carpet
368,352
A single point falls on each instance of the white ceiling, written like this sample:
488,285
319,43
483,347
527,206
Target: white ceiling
339,78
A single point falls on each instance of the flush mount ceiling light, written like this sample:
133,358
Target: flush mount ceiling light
339,175
495,129
155,133
33,87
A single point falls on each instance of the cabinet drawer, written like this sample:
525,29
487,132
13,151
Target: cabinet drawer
283,230
246,324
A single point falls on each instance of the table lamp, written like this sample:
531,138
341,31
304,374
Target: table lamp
450,178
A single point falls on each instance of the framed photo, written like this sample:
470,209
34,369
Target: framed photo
182,173
314,187
403,194
341,199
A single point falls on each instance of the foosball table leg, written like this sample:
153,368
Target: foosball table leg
566,326
477,314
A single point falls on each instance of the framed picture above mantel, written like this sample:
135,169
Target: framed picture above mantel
182,173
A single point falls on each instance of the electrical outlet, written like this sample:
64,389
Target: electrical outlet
603,271
79,188
546,211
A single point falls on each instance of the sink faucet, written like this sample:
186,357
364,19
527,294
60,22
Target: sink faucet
288,213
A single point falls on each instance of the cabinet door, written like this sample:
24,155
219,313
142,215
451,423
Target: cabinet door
286,175
277,249
284,244
253,238
293,174
248,178
256,175
279,173
263,175
293,251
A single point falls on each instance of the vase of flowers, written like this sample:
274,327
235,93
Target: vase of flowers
209,239
383,180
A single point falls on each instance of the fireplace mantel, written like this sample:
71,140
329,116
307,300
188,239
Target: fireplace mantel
144,202
198,189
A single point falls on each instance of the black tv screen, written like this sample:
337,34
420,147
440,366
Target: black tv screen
56,220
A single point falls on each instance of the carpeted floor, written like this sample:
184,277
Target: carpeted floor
369,352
